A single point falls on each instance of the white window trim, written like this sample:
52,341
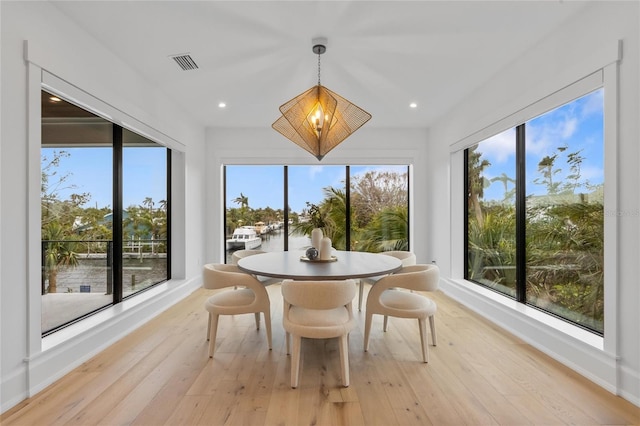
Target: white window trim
602,356
49,358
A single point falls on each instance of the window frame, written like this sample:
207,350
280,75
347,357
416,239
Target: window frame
348,177
520,229
605,77
40,79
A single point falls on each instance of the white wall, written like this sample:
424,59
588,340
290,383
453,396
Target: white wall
61,48
266,146
570,51
66,51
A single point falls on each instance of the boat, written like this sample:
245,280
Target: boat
261,228
244,238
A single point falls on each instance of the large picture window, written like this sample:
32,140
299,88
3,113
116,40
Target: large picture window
361,208
535,212
104,213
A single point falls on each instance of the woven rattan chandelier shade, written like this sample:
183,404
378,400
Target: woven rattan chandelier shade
318,120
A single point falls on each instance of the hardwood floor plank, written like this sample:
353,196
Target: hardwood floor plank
104,406
477,375
53,403
284,401
189,410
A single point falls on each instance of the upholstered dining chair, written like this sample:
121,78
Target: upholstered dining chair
407,258
250,296
240,254
318,310
389,297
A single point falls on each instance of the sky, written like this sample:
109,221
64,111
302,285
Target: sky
90,170
264,185
578,125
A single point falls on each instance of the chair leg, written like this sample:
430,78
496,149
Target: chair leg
212,334
360,293
267,323
344,359
367,329
257,315
432,324
422,324
208,326
295,361
384,323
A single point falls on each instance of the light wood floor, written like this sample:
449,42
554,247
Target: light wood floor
478,374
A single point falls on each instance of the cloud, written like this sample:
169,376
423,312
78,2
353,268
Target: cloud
314,171
569,127
592,104
499,148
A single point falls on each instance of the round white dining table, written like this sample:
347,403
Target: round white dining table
348,264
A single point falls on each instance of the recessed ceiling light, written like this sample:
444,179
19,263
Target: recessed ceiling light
413,105
222,105
55,99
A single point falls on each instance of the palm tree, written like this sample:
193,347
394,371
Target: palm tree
242,200
335,216
388,230
476,182
505,181
57,254
330,216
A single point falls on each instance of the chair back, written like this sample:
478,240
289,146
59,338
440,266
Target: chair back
319,294
239,254
407,257
421,277
220,275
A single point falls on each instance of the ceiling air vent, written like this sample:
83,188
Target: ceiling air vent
185,61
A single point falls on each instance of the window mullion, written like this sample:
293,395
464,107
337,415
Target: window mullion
465,224
521,199
285,179
347,190
116,267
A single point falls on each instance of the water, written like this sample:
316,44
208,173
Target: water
91,275
83,289
274,241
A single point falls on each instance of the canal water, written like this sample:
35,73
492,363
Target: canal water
83,289
274,241
90,275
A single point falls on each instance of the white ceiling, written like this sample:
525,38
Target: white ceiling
381,55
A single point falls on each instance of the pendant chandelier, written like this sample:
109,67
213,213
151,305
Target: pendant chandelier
319,119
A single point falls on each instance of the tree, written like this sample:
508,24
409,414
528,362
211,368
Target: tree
243,201
476,182
330,216
546,168
52,207
58,253
389,230
375,191
505,181
58,218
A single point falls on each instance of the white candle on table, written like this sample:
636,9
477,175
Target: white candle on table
316,238
325,249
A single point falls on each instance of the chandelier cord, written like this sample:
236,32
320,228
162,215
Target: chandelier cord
318,69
